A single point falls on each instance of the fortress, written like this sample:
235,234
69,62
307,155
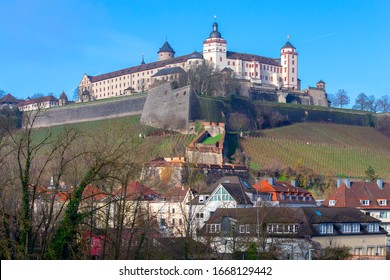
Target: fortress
169,107
258,75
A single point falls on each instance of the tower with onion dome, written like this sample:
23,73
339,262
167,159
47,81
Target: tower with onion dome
214,48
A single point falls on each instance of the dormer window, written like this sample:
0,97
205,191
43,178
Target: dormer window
282,196
382,202
244,229
326,228
373,227
348,227
364,202
213,228
355,227
281,228
332,202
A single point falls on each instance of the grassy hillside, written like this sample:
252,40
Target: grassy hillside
328,148
156,143
337,149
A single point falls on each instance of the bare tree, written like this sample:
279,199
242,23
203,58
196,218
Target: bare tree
361,102
340,99
103,158
372,104
39,224
383,104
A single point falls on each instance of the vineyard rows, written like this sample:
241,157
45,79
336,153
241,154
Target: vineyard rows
323,158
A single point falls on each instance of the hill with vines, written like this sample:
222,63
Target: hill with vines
338,150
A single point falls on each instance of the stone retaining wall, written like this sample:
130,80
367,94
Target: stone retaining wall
92,111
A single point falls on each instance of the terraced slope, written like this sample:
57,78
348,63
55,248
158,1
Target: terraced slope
327,148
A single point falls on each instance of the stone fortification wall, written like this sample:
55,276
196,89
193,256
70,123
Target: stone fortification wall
177,174
318,97
83,112
167,108
215,128
198,152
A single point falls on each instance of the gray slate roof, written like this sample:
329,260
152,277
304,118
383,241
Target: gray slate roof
169,71
142,67
166,48
288,45
252,57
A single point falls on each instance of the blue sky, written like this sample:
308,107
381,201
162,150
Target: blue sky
47,45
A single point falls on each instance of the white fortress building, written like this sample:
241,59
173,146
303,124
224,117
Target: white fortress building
279,73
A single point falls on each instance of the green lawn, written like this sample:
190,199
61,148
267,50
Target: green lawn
212,140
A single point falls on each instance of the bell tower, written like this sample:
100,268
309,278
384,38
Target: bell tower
289,63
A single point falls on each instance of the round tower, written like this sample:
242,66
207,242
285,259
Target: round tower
165,52
289,63
194,59
214,48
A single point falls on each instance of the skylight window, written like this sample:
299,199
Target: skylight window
246,184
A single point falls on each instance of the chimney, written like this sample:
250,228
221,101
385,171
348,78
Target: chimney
294,183
347,183
379,182
339,182
271,181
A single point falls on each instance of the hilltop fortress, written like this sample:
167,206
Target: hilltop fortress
271,79
169,107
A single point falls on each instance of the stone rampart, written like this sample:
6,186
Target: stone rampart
83,112
167,108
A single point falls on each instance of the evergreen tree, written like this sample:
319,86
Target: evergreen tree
370,174
252,251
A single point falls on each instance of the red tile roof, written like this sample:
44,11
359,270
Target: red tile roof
94,192
352,196
278,188
135,190
9,99
176,194
38,100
